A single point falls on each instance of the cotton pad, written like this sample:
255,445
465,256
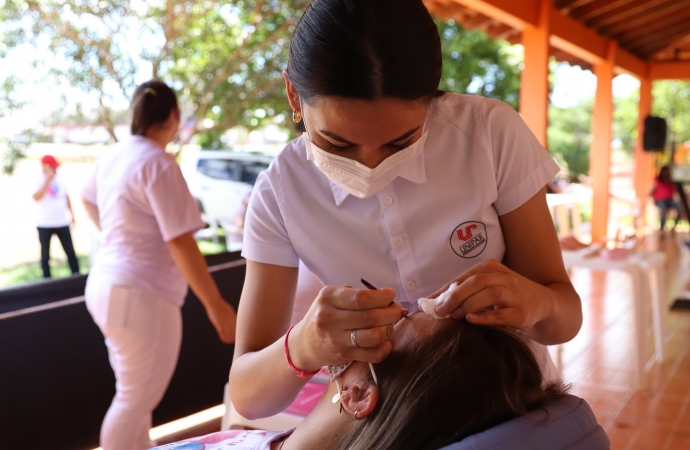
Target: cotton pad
429,305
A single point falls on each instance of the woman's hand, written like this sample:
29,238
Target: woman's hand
185,252
324,335
511,299
224,319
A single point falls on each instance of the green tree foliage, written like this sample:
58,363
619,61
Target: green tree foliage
476,64
225,60
671,100
625,117
11,151
569,137
229,64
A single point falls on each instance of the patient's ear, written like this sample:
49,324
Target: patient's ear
360,398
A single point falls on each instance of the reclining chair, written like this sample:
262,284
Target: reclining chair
566,423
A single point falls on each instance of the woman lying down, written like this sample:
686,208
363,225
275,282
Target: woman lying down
445,380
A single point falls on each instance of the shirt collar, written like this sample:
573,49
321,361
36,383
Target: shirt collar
413,170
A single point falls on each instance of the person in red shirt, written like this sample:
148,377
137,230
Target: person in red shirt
662,193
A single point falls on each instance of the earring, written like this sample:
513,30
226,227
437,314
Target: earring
338,395
357,412
296,116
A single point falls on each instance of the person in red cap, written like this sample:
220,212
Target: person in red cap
53,205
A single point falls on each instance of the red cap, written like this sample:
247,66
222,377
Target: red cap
52,162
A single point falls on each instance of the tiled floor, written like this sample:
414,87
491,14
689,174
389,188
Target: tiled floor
599,362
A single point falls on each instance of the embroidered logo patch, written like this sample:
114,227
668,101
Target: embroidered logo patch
469,239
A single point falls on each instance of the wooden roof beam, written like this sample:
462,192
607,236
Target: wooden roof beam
568,34
670,70
512,13
478,21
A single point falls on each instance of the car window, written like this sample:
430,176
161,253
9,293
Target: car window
220,169
251,170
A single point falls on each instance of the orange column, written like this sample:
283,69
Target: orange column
644,163
600,150
534,83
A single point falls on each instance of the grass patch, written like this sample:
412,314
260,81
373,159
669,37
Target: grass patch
29,272
208,247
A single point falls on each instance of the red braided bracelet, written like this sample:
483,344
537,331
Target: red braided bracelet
300,373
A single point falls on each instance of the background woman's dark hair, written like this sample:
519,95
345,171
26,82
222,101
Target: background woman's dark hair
152,104
366,49
463,380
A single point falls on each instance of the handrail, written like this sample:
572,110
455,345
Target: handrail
80,299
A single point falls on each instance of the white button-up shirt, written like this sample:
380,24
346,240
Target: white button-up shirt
436,220
143,202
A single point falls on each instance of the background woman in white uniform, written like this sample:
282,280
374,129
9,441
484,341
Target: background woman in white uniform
399,184
140,201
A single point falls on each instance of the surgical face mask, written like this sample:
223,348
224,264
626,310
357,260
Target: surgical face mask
356,178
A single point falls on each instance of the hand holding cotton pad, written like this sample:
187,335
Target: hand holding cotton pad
429,305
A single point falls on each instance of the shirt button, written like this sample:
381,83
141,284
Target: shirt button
411,285
388,200
399,241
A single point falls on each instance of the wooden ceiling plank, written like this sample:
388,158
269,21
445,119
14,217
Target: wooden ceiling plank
654,25
576,39
671,33
633,23
623,12
597,8
651,47
679,44
565,6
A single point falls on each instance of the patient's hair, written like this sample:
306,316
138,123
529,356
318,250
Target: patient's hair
459,381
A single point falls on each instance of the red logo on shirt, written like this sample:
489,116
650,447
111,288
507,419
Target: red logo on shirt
468,232
469,239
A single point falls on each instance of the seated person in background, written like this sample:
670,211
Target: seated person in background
445,380
662,193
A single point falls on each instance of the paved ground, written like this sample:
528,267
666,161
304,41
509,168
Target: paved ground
18,235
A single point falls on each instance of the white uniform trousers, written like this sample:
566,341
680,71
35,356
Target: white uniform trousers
143,333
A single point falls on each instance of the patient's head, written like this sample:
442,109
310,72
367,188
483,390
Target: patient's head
444,380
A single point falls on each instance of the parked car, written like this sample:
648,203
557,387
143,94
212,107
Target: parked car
221,181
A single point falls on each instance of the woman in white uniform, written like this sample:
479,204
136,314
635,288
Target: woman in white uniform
393,181
140,201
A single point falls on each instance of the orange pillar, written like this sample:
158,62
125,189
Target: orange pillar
534,83
600,150
644,163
